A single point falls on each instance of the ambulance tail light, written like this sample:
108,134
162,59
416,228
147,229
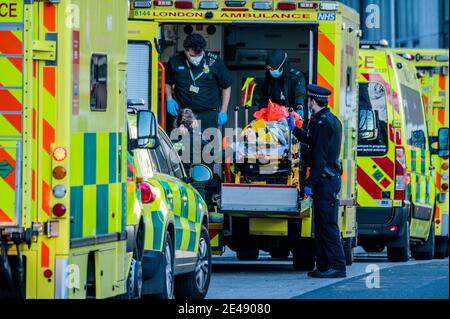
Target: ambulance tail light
184,4
286,6
400,174
444,166
208,5
59,210
162,3
444,187
148,194
262,5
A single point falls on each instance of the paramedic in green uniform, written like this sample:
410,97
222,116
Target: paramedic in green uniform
200,82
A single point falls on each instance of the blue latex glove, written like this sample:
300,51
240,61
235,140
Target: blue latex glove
291,122
308,191
300,112
172,107
222,119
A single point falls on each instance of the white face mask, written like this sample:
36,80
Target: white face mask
196,59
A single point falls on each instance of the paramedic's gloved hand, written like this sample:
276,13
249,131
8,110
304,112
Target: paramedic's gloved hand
222,119
300,111
291,122
172,107
308,191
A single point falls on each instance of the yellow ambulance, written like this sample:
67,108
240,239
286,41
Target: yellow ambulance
321,39
396,189
70,213
432,66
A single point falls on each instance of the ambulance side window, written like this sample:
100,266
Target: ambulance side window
99,81
172,157
415,122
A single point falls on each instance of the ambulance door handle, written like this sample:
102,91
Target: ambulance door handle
432,168
170,196
184,199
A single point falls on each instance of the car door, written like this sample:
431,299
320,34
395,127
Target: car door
187,217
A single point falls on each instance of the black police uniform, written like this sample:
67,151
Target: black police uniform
324,137
199,87
288,90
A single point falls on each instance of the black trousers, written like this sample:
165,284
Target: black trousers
328,245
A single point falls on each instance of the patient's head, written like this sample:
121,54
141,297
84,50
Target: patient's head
186,118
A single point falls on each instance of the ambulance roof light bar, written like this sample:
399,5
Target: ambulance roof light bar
329,6
142,4
208,5
367,44
235,4
163,3
184,4
286,6
262,5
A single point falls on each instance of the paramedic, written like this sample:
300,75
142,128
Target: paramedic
283,84
201,82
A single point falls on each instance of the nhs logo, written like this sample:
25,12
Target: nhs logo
322,16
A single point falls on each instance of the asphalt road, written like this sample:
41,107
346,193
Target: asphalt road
370,277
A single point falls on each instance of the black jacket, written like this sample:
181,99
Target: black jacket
291,85
324,137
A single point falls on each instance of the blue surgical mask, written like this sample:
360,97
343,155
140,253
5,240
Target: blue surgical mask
278,72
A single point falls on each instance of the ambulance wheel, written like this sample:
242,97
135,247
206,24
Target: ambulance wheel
347,244
168,272
247,254
279,253
400,252
134,282
441,247
194,285
426,250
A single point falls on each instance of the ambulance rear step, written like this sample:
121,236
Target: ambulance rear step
260,199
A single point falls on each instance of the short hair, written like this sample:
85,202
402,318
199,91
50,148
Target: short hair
195,41
321,103
186,117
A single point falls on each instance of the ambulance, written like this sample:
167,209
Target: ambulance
321,39
396,188
432,66
70,208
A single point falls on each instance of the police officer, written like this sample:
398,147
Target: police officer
201,82
324,137
283,84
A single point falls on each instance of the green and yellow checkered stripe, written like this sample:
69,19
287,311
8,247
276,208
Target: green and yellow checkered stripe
96,181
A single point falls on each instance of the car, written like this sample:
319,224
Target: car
176,249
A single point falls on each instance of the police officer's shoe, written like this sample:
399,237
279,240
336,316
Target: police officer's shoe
315,273
330,273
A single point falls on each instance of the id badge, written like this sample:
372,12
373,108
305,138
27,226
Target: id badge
194,89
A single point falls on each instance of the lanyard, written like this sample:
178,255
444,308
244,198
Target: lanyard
192,75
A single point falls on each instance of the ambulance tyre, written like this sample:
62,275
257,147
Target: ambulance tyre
247,254
134,281
441,247
400,250
373,248
426,250
168,272
194,285
347,244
